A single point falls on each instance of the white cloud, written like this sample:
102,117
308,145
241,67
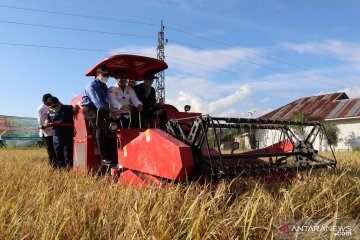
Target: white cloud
192,77
205,63
186,60
185,98
202,88
345,51
216,82
352,92
210,105
235,98
298,84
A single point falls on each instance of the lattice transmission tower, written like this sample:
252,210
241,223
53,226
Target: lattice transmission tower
160,82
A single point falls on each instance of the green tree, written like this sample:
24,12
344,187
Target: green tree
301,117
332,132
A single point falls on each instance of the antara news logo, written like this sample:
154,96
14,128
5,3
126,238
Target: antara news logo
317,227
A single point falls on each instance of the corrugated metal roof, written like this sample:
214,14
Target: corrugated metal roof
327,106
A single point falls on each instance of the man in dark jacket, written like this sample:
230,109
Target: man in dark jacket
61,118
146,94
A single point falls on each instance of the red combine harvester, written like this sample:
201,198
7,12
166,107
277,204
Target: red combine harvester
192,146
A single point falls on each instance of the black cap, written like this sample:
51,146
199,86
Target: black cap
150,75
120,71
103,69
53,100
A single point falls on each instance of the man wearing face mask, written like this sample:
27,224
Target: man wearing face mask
94,98
146,94
46,133
61,118
122,97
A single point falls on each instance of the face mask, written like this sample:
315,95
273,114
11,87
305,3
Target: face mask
122,82
148,82
103,79
53,109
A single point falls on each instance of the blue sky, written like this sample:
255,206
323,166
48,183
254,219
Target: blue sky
226,58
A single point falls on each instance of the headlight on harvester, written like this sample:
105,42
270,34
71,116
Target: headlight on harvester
113,127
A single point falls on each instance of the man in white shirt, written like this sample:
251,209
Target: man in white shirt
122,97
46,133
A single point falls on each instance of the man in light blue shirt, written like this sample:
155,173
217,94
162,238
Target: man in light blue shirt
95,94
94,98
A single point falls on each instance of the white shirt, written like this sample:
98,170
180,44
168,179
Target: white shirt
42,111
119,98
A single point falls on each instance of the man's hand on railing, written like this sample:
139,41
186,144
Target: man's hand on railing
139,107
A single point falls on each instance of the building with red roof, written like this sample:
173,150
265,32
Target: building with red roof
337,108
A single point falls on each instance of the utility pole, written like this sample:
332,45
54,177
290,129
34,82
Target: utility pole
160,82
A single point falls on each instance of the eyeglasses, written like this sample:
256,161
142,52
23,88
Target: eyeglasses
105,74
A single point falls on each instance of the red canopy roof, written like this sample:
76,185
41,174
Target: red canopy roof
135,65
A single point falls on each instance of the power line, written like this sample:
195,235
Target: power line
51,4
75,29
101,50
254,63
107,51
231,45
174,29
135,22
203,65
53,47
77,15
211,51
149,37
233,72
104,10
254,53
132,35
198,36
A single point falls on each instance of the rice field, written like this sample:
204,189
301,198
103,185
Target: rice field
37,202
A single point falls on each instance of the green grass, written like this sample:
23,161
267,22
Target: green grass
357,149
37,202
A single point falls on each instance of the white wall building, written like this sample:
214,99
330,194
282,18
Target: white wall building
336,108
